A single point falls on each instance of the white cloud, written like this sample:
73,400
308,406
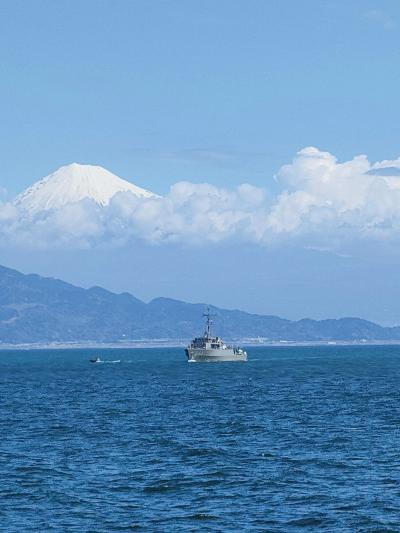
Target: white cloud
322,203
380,18
325,197
194,213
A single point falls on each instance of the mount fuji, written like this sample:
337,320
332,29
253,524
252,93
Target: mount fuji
73,183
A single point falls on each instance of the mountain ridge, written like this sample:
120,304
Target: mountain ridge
35,309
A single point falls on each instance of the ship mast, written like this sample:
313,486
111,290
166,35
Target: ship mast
208,316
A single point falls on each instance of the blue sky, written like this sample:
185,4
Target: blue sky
220,92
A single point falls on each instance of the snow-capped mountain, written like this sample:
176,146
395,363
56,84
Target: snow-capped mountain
73,183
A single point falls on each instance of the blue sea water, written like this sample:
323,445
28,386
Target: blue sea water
297,439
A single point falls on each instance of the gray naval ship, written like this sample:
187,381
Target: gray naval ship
208,348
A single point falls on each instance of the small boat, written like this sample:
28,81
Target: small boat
96,360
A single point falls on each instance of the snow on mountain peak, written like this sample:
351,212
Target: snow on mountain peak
73,183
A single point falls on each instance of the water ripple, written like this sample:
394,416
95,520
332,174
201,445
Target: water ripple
298,439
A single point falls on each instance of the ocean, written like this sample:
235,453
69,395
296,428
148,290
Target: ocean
296,439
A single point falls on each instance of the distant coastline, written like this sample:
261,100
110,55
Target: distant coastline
179,343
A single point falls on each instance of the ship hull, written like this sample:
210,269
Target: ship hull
201,355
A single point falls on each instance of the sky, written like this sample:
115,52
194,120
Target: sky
282,96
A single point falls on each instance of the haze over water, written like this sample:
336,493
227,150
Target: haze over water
297,439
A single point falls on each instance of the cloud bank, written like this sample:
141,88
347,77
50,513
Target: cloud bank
322,202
